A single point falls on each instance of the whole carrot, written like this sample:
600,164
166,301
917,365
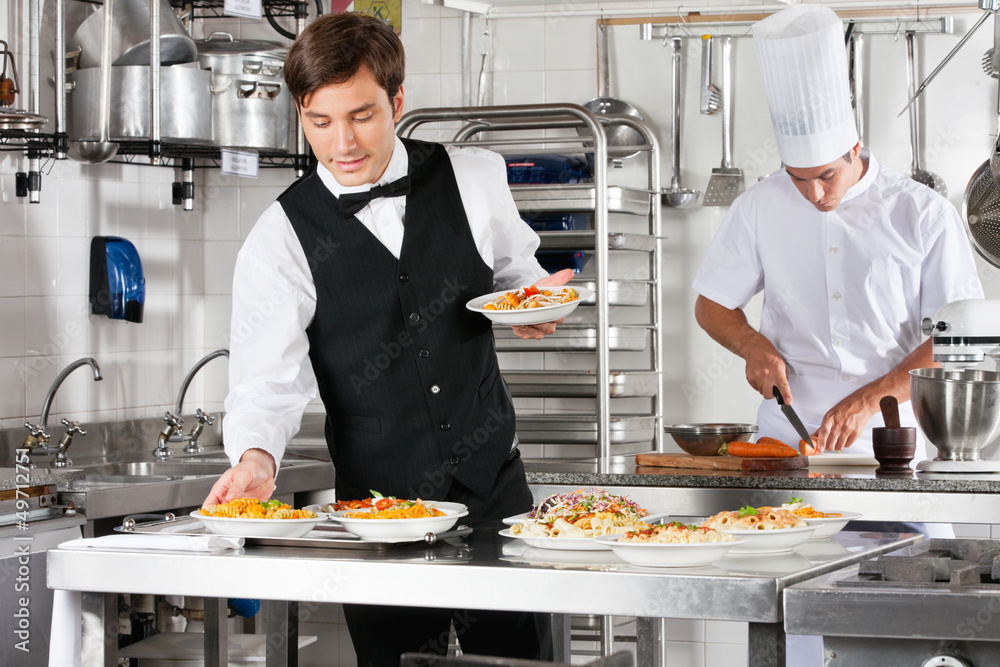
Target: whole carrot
774,449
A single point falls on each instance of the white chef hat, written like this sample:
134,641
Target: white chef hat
803,64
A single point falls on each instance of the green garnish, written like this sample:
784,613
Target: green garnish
793,499
375,494
747,511
271,503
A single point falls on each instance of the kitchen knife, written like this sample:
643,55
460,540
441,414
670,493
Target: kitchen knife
792,417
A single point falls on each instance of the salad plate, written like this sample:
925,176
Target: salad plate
559,543
775,541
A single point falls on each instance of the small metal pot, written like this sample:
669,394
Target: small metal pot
130,40
250,111
224,55
185,104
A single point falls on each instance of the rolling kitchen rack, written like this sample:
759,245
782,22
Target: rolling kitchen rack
599,331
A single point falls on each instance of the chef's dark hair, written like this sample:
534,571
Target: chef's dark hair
334,47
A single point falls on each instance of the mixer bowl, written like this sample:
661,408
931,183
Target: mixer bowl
958,411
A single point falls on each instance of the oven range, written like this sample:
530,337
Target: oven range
933,604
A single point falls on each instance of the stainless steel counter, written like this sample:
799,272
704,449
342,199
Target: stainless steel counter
487,572
924,498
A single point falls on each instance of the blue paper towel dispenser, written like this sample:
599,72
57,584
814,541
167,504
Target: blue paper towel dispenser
117,284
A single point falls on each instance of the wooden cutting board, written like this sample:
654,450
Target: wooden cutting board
720,462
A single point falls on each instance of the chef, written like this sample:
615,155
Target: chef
353,285
849,255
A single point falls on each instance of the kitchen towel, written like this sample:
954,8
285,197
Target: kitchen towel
65,643
158,542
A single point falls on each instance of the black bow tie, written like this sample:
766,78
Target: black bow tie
351,203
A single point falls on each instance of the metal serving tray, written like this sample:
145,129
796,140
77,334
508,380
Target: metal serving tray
579,197
584,240
576,429
580,384
574,337
620,293
326,535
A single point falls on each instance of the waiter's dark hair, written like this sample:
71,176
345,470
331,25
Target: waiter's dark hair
334,47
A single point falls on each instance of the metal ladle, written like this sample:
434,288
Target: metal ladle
918,174
676,195
103,149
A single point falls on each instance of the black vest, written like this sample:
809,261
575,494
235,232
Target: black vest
408,375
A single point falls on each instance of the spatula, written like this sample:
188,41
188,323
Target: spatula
726,182
792,417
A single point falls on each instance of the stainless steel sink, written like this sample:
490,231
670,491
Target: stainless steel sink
146,469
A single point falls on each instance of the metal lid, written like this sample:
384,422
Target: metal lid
709,429
19,119
223,44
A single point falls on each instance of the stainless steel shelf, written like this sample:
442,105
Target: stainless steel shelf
584,239
574,337
581,429
580,384
579,197
620,292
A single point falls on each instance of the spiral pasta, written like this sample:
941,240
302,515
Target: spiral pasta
252,508
532,297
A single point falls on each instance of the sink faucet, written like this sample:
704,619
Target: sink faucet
38,435
175,421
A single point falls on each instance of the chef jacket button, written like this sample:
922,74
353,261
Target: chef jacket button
404,277
845,378
838,343
445,426
453,461
435,389
424,354
833,250
837,295
414,317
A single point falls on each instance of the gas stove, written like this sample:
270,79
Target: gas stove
934,604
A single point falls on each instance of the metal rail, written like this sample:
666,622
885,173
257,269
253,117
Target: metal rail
549,116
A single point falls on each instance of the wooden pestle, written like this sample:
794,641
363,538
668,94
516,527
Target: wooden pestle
890,411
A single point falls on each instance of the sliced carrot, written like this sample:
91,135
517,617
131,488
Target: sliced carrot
806,449
772,449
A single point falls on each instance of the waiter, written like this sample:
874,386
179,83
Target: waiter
850,255
353,284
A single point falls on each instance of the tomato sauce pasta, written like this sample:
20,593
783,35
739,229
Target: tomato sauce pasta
251,508
532,297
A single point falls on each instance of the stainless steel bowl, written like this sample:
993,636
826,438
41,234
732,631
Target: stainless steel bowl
958,411
705,439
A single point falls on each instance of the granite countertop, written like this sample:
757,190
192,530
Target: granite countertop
12,478
624,472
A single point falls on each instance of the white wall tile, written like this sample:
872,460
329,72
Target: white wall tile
72,265
684,630
12,327
723,655
220,263
12,398
518,87
685,654
42,267
726,632
518,45
420,39
218,313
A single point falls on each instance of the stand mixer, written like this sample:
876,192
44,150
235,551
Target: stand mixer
958,407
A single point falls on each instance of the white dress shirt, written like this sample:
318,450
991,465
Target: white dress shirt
274,299
845,290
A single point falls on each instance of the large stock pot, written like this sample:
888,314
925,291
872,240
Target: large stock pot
251,105
185,104
130,38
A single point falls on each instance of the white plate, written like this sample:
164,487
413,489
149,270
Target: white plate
830,526
653,554
518,518
402,530
257,527
843,459
528,315
561,543
771,541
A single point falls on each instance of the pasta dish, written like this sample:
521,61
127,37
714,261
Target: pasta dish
399,509
754,518
676,533
583,513
806,511
532,297
251,508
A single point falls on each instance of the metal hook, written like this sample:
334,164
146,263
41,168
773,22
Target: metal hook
484,37
683,23
895,35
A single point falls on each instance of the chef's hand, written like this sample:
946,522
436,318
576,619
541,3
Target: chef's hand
766,369
539,331
252,477
843,423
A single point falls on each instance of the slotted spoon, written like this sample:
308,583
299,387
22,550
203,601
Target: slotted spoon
918,174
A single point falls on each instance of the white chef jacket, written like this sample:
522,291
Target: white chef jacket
845,290
274,299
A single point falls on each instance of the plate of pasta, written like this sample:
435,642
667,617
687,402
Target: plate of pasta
827,524
401,521
529,305
249,517
672,544
767,529
572,520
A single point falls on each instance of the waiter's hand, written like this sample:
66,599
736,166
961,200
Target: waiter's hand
843,423
539,331
252,477
766,369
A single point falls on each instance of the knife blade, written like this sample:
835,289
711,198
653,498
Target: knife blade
792,417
